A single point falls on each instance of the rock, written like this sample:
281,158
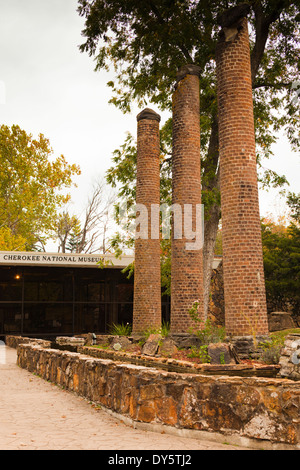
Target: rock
150,348
221,353
185,340
280,321
248,346
167,347
120,342
91,339
290,357
70,341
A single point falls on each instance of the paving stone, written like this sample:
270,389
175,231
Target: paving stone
37,415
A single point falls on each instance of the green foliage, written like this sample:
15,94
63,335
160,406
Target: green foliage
281,252
293,201
272,350
205,329
120,329
10,241
31,185
164,331
145,42
200,353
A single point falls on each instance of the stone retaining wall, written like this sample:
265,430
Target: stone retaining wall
14,341
260,410
290,357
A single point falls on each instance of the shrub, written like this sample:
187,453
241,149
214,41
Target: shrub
272,349
120,329
206,330
199,353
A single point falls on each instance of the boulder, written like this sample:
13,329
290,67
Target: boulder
70,341
222,353
150,347
167,347
280,321
120,343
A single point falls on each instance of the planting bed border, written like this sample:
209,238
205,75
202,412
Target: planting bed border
250,411
175,365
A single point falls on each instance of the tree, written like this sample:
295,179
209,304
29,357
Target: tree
31,188
281,247
10,242
68,232
86,234
146,42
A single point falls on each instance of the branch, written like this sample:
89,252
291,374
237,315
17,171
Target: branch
162,21
278,85
262,26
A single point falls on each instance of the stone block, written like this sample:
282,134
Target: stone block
150,348
220,353
167,347
280,321
120,343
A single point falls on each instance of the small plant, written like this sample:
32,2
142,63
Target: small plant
272,350
222,358
120,329
200,353
163,331
205,330
101,346
253,323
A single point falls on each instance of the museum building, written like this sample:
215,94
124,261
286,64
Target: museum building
45,295
51,294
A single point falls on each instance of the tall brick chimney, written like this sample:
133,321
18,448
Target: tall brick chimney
244,285
186,263
147,272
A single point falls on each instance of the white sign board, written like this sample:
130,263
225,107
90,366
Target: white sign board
14,258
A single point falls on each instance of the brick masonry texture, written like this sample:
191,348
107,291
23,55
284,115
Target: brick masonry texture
147,276
259,409
244,286
186,265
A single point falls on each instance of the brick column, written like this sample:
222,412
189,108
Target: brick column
186,264
147,272
244,285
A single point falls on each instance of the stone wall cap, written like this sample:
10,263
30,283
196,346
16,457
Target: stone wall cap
148,113
188,69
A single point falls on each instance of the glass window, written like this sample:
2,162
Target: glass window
10,318
125,313
48,285
10,290
125,293
90,318
48,318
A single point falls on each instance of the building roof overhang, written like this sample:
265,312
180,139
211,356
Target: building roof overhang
79,260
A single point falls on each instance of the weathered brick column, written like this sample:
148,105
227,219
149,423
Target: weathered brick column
186,264
147,275
244,285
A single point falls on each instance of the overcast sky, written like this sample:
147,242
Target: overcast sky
47,86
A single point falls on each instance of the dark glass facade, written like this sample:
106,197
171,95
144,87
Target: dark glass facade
45,302
50,301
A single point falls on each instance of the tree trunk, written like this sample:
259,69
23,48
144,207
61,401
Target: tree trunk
210,235
210,184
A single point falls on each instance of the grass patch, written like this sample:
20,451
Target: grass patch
283,333
272,349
